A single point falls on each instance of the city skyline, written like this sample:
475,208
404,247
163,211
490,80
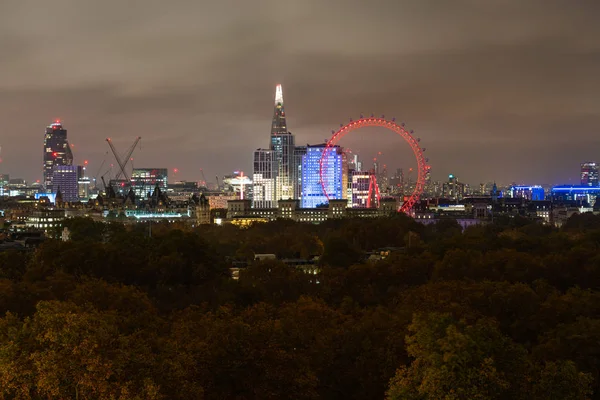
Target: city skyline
514,81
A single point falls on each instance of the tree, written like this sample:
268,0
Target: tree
561,381
453,360
66,351
339,252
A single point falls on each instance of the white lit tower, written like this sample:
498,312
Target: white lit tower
283,146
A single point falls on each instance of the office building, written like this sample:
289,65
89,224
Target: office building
56,152
527,192
364,189
589,174
4,178
65,179
299,152
566,193
335,175
264,179
144,180
453,189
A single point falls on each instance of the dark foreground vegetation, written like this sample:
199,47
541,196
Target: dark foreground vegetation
504,311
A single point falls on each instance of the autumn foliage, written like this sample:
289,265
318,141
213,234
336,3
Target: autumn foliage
509,310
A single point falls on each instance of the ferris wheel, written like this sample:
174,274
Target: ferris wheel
408,137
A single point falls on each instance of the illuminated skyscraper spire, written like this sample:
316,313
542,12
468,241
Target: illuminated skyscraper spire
279,125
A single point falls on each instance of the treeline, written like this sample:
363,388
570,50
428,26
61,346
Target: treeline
509,310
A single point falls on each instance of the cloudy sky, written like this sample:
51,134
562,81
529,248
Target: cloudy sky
505,90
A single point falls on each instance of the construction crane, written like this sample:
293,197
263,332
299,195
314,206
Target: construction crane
203,177
100,169
127,158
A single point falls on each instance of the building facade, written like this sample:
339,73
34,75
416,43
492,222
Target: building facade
589,174
65,179
264,179
335,175
57,152
362,189
528,192
144,180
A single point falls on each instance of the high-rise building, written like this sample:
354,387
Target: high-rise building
335,175
4,178
589,174
453,189
354,163
299,152
263,179
144,180
65,180
285,163
283,146
56,152
83,182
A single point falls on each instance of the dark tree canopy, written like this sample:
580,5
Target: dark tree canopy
349,309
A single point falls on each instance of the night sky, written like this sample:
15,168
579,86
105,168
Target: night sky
505,90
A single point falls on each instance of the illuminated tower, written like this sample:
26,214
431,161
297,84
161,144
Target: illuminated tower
283,147
56,152
279,126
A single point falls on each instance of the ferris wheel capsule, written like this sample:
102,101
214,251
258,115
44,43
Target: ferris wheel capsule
361,116
372,115
418,139
394,119
382,116
403,124
332,132
411,131
427,160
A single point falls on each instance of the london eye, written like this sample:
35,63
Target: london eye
408,137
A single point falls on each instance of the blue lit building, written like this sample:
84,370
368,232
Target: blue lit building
527,192
575,193
335,175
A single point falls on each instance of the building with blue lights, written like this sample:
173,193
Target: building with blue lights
335,175
535,193
566,193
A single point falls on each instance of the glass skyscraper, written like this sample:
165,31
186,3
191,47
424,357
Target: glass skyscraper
281,165
56,152
335,175
283,146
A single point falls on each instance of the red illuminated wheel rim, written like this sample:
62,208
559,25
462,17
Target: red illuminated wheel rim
408,137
